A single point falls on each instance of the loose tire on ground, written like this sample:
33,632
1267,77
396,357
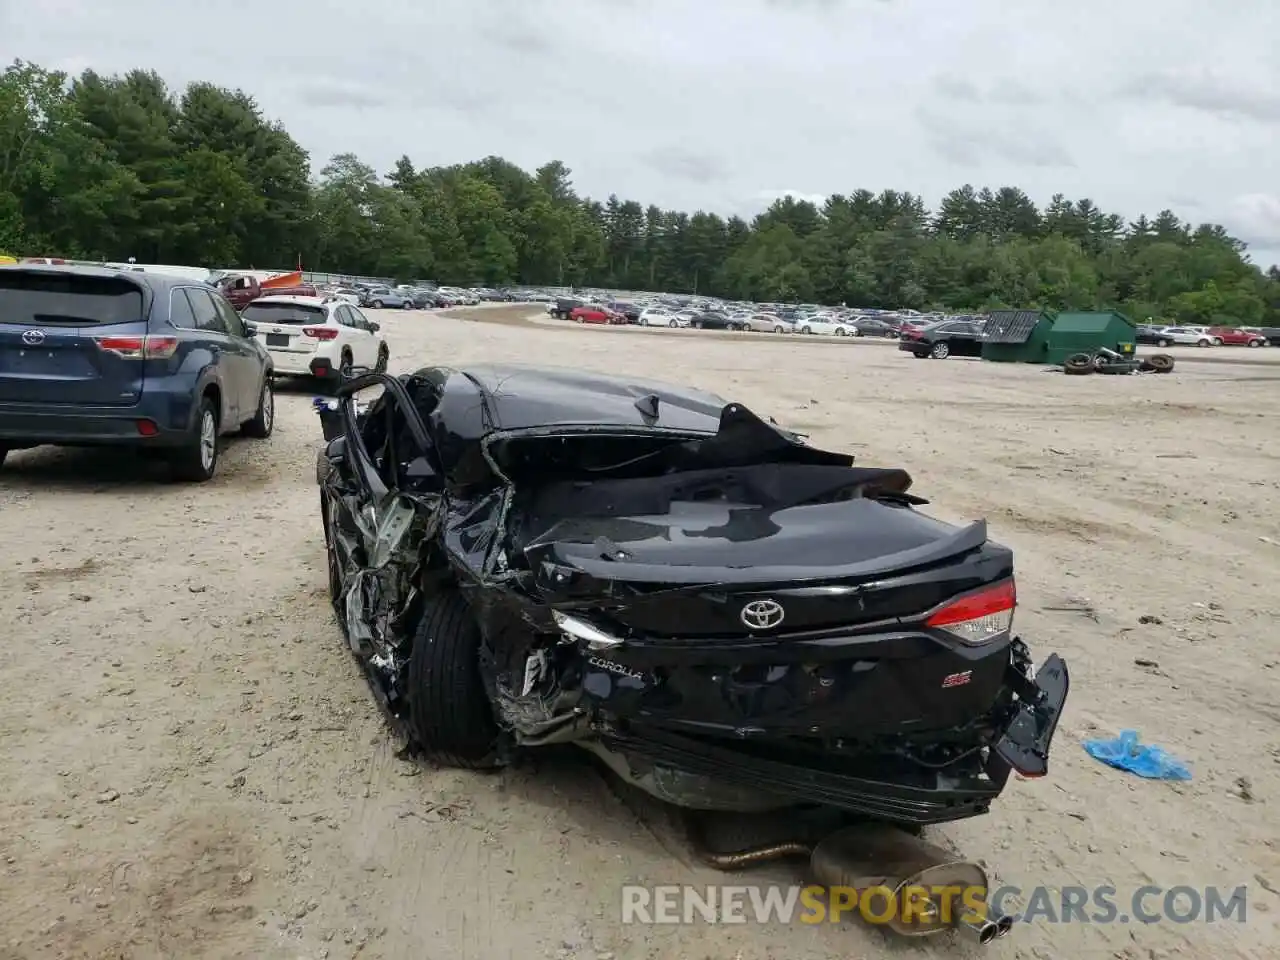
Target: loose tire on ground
448,708
196,461
1158,363
1078,364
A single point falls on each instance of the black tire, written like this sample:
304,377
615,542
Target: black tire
940,350
331,564
377,304
1162,343
408,305
264,421
920,356
857,332
196,461
1158,363
1078,364
807,330
674,324
1205,343
448,707
1255,343
384,356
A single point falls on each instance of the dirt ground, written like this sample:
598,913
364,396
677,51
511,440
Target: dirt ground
192,766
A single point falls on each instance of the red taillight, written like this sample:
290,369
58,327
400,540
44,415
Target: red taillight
981,616
140,348
321,333
147,428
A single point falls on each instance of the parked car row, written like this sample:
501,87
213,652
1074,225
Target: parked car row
1199,336
714,315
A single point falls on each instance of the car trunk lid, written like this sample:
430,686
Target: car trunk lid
718,573
70,338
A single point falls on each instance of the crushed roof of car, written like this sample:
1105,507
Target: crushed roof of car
485,398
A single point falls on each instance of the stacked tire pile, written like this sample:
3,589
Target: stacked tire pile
1081,364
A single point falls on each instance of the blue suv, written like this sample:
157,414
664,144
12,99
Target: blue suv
93,356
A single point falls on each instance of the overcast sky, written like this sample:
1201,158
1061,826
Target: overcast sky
726,104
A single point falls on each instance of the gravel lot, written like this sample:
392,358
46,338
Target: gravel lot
192,766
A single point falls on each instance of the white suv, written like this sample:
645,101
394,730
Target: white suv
315,337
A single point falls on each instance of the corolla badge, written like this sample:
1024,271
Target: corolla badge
33,338
762,614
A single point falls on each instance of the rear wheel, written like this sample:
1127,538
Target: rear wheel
448,706
777,330
806,330
408,305
377,304
1162,343
1255,343
1204,343
196,461
674,324
264,421
841,332
941,350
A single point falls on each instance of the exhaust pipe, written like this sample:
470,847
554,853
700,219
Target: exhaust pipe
1004,923
991,926
929,887
983,930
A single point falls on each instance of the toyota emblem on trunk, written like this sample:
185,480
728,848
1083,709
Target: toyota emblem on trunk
33,338
762,614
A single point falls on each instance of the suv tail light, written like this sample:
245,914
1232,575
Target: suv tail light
321,333
979,617
139,348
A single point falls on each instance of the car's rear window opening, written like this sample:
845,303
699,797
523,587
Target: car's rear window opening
35,299
290,313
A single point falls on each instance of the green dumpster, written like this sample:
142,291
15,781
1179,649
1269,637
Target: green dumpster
1087,332
1016,336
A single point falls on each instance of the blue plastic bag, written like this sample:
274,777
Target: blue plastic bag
1126,753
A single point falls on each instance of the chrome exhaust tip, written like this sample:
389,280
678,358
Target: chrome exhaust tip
980,929
1003,922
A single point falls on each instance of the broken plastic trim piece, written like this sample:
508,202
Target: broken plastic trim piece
593,637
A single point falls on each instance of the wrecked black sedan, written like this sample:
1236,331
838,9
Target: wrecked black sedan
729,617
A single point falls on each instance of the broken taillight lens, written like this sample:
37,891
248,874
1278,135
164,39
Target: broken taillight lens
979,617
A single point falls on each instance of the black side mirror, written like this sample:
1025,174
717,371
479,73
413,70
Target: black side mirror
250,330
374,327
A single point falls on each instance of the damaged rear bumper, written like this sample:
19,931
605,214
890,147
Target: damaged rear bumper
703,772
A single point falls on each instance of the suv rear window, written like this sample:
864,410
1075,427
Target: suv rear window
36,299
295,313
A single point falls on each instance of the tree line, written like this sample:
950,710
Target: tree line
108,167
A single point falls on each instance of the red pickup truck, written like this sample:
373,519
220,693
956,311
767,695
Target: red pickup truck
1233,337
242,289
